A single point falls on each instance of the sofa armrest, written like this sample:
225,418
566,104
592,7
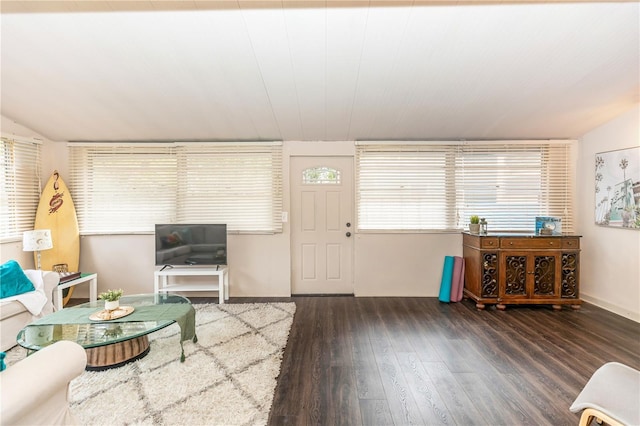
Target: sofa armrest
51,280
35,390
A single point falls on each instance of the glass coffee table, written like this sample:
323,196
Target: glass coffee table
115,342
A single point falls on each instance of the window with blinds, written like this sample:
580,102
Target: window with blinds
437,186
124,188
239,184
404,187
19,187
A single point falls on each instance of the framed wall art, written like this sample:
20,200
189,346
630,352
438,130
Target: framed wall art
618,188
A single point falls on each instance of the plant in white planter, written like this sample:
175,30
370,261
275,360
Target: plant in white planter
474,224
111,299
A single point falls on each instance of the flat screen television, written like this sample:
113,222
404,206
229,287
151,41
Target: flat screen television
191,244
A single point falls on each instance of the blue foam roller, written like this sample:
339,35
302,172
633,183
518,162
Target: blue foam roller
447,275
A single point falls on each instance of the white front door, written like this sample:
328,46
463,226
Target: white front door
322,225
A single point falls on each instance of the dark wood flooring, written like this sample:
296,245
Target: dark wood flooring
416,361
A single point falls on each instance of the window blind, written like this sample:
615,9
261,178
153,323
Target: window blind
511,184
19,187
239,184
404,187
432,186
121,188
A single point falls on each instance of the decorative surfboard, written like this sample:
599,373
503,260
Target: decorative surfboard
57,212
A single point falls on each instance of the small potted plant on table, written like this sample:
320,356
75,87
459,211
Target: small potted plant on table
474,224
111,299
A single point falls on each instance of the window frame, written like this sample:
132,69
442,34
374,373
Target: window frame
557,159
172,207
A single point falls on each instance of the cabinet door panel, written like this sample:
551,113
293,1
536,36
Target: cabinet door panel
570,268
513,270
489,275
544,275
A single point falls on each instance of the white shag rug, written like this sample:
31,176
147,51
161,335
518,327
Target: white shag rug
228,378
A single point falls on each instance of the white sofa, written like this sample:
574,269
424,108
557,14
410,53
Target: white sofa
35,390
14,315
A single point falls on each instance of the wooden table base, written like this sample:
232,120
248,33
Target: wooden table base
117,354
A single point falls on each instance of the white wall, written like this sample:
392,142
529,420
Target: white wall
384,264
610,258
402,264
257,266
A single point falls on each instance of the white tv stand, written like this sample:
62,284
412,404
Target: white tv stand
161,280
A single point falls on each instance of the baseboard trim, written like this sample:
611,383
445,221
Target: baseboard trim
634,316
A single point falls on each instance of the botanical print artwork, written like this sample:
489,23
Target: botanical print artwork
618,188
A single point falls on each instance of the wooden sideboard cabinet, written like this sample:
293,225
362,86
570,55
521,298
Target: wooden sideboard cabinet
522,269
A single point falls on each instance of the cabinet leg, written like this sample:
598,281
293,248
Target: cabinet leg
501,307
480,306
575,307
557,307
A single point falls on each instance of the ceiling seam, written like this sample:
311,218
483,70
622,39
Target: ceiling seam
264,84
390,71
326,54
293,69
355,89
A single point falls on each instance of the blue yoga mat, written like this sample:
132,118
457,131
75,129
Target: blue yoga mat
447,275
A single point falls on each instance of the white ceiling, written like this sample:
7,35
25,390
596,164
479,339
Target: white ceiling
328,70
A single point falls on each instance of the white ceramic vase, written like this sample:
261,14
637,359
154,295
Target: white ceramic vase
111,305
474,228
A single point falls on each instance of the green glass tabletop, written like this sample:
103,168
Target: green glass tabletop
151,313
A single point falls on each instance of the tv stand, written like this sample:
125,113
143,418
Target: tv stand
161,280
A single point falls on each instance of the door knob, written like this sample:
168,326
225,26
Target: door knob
348,234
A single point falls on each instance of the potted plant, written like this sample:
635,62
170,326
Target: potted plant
474,224
111,299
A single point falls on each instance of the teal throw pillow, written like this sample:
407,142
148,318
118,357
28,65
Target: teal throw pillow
13,281
2,364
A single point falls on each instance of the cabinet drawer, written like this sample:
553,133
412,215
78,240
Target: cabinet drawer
531,243
489,243
571,243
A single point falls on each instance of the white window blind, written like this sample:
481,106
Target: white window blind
511,184
404,187
123,188
437,186
239,184
19,187
120,188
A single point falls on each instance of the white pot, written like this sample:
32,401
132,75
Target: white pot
474,228
111,305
